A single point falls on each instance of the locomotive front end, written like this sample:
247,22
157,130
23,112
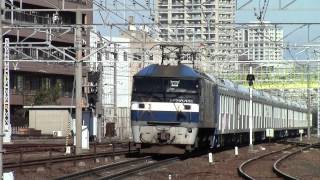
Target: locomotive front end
165,110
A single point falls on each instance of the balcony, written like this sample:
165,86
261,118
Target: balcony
24,86
194,11
178,18
41,17
193,3
196,2
195,18
163,18
78,1
177,3
210,10
178,11
27,18
163,4
211,37
40,53
208,2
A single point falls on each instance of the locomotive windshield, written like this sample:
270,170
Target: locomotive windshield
165,90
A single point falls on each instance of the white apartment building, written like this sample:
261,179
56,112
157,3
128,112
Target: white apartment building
199,23
116,73
108,66
261,42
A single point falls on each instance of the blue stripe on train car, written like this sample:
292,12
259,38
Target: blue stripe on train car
164,116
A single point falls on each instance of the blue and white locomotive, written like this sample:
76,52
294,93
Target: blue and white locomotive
176,108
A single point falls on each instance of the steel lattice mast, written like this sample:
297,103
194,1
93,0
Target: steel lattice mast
6,94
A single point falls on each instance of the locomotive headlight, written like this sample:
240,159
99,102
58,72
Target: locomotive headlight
187,107
141,106
189,130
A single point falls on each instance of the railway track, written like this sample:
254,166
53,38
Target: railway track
276,165
121,169
269,162
262,166
31,147
61,159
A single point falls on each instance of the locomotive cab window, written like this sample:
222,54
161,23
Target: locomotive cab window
184,86
165,90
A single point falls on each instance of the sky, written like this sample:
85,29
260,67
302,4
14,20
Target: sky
300,11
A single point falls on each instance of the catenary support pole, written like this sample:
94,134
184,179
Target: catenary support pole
115,59
1,88
78,77
99,108
250,114
318,123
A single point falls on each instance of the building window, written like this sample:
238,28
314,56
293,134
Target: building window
136,57
35,84
107,56
125,56
45,83
19,84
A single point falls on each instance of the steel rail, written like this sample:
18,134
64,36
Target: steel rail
104,168
9,147
62,159
128,172
283,174
243,174
125,173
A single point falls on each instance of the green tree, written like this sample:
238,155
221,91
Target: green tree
19,117
47,96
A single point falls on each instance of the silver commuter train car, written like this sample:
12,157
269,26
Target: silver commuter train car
176,108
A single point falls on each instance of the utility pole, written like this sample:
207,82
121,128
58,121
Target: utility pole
99,111
2,6
308,100
318,123
143,47
78,77
115,59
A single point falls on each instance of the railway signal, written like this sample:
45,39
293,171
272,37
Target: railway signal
93,79
250,79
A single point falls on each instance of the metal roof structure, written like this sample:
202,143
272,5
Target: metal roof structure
179,71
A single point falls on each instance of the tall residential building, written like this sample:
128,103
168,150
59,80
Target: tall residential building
199,23
260,42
